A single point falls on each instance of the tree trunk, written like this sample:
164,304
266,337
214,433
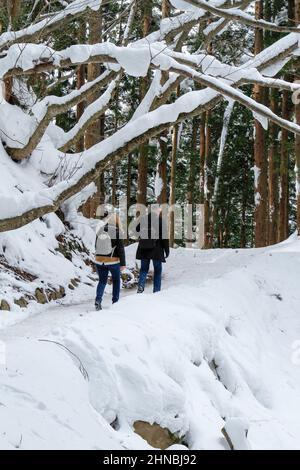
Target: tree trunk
95,132
166,8
191,178
163,168
202,158
273,174
284,174
80,80
143,157
80,75
163,140
207,185
173,180
297,117
261,178
13,10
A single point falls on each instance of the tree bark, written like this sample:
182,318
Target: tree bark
207,185
202,157
273,175
80,75
143,157
166,8
175,138
261,178
297,117
283,229
96,131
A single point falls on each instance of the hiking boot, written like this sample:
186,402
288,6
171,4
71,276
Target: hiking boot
98,306
140,290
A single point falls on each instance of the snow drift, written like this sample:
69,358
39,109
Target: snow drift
218,347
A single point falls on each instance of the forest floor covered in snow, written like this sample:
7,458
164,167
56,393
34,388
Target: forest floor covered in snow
218,346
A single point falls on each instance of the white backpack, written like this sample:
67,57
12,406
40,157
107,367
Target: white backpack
104,244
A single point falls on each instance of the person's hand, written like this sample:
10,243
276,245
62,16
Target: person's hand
123,268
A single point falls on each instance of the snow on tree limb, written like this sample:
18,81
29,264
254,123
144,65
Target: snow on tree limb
234,14
52,106
159,52
43,28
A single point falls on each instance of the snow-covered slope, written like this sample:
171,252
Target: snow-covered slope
218,345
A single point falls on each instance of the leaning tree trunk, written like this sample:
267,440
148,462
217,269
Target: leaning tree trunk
261,178
143,156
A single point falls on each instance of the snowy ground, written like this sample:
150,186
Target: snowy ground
220,342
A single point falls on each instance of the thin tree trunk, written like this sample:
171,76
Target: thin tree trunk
284,174
80,75
273,175
191,181
202,158
207,185
297,138
163,168
224,134
13,10
261,178
129,177
143,157
175,139
191,178
163,140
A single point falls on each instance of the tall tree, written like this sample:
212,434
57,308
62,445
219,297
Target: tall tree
146,7
175,141
260,159
96,130
273,174
283,228
297,116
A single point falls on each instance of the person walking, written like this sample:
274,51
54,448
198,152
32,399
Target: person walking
110,257
153,246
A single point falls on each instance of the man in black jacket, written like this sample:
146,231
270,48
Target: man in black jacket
153,245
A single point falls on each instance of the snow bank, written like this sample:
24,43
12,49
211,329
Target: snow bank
216,347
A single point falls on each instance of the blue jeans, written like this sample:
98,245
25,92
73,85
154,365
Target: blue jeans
103,271
145,264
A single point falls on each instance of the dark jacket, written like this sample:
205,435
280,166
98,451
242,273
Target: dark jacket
160,250
116,242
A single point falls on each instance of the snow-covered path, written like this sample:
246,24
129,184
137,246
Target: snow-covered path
206,265
219,344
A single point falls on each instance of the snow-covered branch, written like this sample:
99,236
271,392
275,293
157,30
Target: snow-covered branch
234,14
51,106
41,29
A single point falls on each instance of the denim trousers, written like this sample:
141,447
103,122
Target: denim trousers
103,271
145,265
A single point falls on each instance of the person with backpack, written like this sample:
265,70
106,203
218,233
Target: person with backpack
110,257
153,246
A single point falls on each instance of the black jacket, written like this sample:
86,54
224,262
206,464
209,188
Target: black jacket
161,248
116,242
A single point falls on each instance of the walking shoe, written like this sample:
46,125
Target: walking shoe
140,290
98,306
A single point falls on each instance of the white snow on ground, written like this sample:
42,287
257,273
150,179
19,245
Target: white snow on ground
217,344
